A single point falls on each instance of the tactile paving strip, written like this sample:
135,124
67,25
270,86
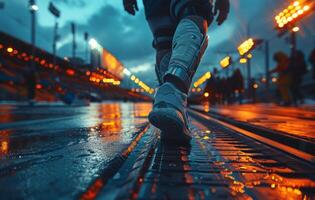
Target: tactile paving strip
221,164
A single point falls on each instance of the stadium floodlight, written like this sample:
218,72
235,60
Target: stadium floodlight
32,6
202,79
54,10
296,29
225,62
246,46
94,45
292,14
243,60
127,72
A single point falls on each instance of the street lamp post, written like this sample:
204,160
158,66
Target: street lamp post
86,38
225,63
243,49
249,74
74,46
33,8
267,63
52,8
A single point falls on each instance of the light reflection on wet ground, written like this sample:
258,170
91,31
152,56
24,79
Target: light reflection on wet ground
60,158
254,172
220,164
295,121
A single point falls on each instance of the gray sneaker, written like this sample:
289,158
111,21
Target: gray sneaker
169,114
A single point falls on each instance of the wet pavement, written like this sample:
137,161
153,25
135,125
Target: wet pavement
219,164
108,151
56,151
296,121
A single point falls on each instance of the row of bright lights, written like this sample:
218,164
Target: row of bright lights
202,79
144,86
24,56
94,45
93,76
292,12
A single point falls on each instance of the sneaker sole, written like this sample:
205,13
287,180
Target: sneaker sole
171,126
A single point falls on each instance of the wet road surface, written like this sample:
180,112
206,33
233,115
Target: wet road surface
57,151
107,151
298,122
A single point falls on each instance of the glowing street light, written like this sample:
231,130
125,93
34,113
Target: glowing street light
296,29
274,79
225,62
34,7
243,60
127,72
246,46
202,79
9,49
94,44
255,86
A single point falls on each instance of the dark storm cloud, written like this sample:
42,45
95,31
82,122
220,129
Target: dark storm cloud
126,37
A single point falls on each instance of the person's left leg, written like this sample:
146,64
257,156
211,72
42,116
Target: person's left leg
162,27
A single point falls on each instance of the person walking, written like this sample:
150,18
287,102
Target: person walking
180,30
298,69
238,83
284,79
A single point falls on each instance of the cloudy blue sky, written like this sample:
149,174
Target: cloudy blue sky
129,38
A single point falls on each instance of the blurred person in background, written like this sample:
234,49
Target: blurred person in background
312,61
284,78
211,88
180,31
238,85
298,69
30,81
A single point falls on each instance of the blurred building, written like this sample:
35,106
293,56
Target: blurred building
56,79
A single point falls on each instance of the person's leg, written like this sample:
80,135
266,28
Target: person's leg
162,27
163,31
190,40
188,45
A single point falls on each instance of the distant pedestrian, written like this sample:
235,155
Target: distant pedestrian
312,61
211,89
238,84
298,69
284,79
30,80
